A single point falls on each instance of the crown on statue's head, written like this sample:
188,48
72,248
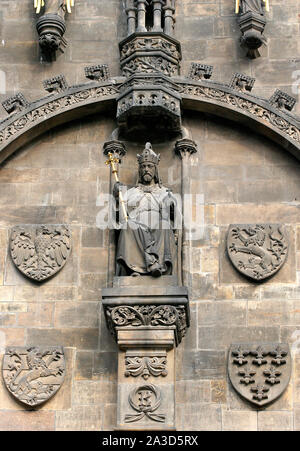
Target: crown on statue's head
148,155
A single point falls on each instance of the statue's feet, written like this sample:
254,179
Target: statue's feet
156,270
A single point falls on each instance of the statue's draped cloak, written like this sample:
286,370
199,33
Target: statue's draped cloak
254,6
148,236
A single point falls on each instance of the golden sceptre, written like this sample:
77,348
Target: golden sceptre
112,162
237,6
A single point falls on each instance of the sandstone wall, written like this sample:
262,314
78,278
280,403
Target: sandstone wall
59,177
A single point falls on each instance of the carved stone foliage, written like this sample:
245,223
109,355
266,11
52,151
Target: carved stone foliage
146,364
260,373
252,107
51,108
33,374
39,252
148,315
145,400
25,116
257,250
141,53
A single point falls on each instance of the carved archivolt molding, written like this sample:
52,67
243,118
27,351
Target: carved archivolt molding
77,101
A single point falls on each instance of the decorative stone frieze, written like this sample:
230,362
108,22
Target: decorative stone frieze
257,250
41,251
270,120
33,375
259,372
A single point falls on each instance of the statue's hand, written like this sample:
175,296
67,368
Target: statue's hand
117,188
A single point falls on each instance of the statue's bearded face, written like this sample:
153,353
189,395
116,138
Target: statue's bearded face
147,172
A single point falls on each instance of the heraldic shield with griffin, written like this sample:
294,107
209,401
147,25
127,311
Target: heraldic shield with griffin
261,372
257,250
33,375
39,252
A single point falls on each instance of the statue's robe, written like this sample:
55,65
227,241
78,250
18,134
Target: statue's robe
148,237
254,6
55,7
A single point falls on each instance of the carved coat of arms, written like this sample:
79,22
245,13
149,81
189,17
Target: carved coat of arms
260,373
33,375
257,250
40,251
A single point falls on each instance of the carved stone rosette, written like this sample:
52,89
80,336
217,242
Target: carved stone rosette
147,323
149,60
259,372
33,375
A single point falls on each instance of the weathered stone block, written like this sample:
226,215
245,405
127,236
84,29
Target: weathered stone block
76,314
239,420
30,420
79,337
94,393
224,313
80,418
84,365
192,391
201,417
201,365
275,421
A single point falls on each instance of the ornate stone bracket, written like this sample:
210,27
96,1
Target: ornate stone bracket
51,26
147,324
51,29
252,26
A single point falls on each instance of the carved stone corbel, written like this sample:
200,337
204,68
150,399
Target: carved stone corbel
51,29
147,324
51,26
252,22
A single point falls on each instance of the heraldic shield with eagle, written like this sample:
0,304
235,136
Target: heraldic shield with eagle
39,252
